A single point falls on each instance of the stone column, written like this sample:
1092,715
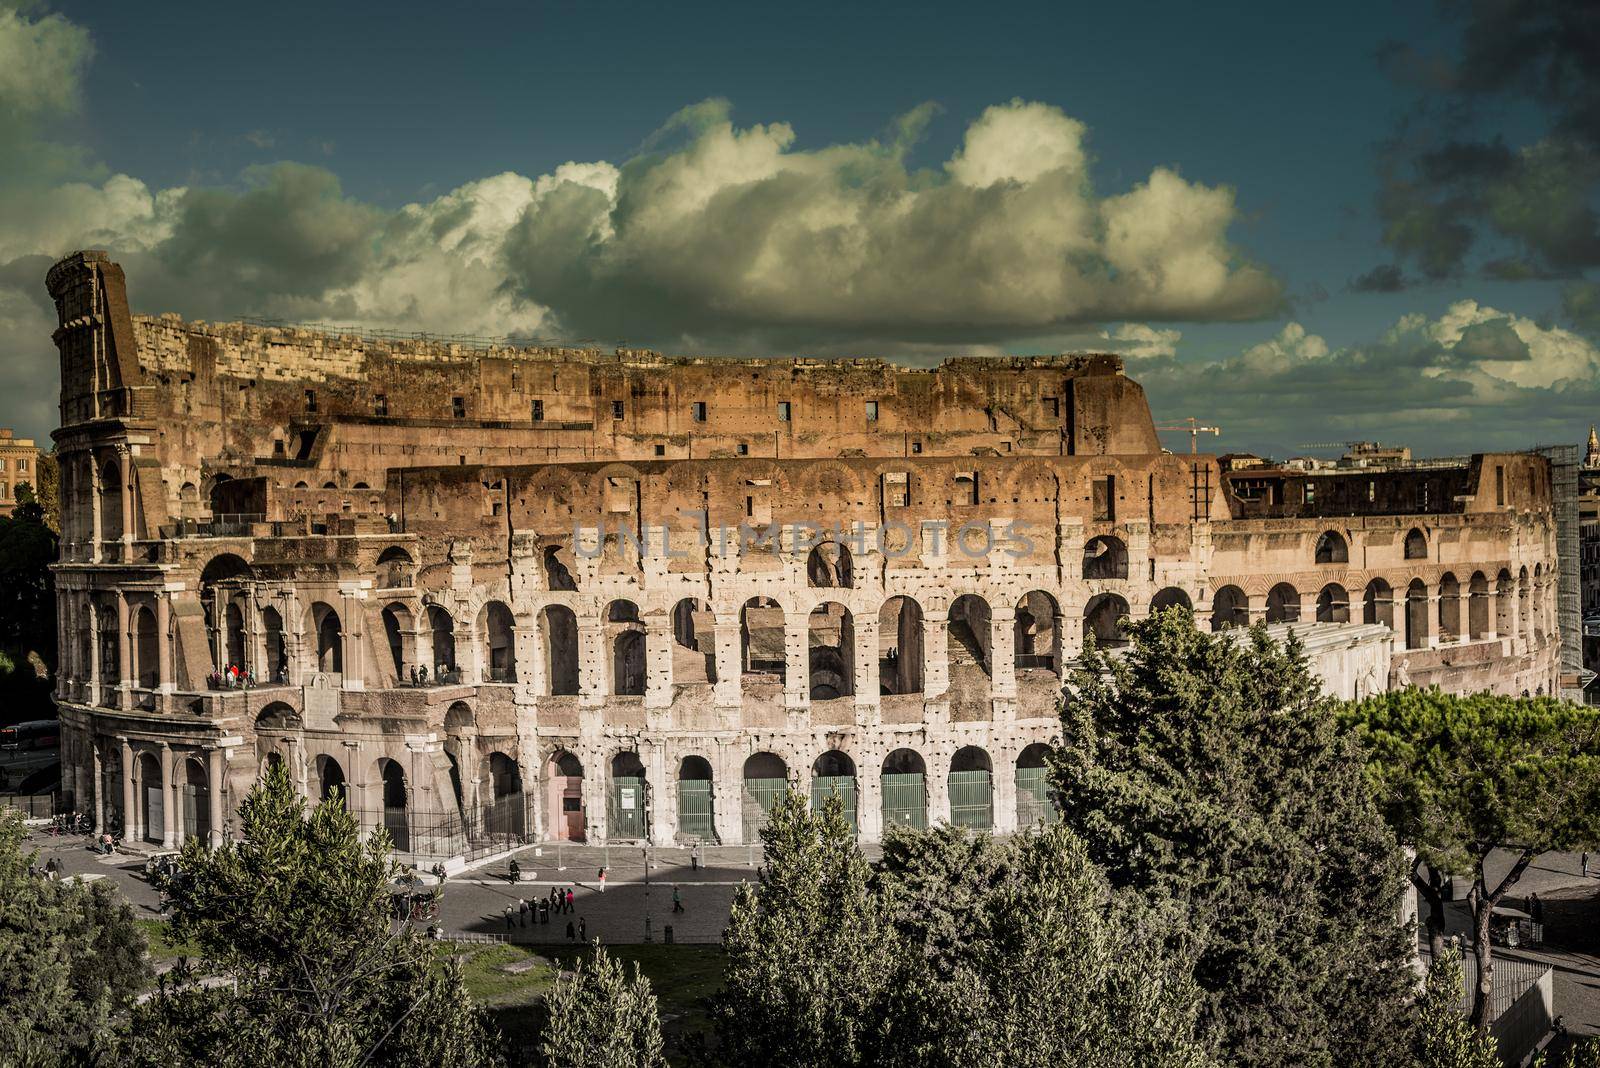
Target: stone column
867,683
214,787
658,648
796,660
728,691
935,656
594,661
164,642
530,657
353,632
124,654
1002,653
96,551
94,648
132,827
169,828
1308,606
663,796
1492,599
99,786
869,800
1005,791
125,467
938,784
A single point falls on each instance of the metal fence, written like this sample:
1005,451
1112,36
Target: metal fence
476,833
32,806
1512,978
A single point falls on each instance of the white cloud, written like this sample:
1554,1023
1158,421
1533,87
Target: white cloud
1140,341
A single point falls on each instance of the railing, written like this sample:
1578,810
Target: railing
223,525
452,677
32,806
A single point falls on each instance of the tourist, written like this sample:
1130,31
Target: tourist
1586,865
522,909
515,870
694,858
571,931
677,900
544,911
510,922
582,930
602,877
570,896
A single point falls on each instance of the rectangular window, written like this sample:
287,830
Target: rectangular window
872,411
783,411
698,411
896,490
1308,494
1499,486
743,449
1372,490
22,464
661,450
538,411
1105,499
311,400
458,407
1052,407
616,409
380,404
916,448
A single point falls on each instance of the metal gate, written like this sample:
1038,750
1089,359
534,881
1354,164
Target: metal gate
905,801
695,818
759,797
1034,804
823,786
399,828
971,800
155,813
627,807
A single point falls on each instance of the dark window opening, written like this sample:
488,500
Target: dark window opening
783,411
872,411
458,407
616,409
311,400
1105,499
698,411
380,404
538,411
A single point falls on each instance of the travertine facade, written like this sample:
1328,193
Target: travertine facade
567,594
19,465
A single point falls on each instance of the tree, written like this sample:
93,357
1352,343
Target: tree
71,961
1208,775
1459,777
1443,1037
27,593
47,491
808,952
601,1019
1019,955
295,915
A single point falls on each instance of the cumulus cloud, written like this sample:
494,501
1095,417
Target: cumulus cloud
1140,341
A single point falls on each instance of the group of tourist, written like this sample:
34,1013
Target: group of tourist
557,901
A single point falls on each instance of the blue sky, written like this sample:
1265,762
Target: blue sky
1295,135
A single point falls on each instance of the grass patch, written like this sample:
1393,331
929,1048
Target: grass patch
483,970
161,946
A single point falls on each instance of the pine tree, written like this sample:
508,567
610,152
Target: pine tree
295,916
1443,1037
601,1019
1209,776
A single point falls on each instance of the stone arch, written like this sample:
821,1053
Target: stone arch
900,658
765,781
399,629
278,718
762,646
1478,606
1102,620
322,621
972,789
146,648
625,642
151,801
1229,609
1105,558
1283,604
497,626
829,566
111,501
395,570
1036,632
396,794
1377,603
277,667
507,814
1035,800
1333,604
1416,615
563,777
833,774
694,646
1416,544
557,575
1505,604
970,639
194,789
627,815
1449,608
442,635
559,627
1332,548
830,652
1170,597
330,779
905,790
697,819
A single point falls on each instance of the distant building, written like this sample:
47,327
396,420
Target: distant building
1589,554
19,463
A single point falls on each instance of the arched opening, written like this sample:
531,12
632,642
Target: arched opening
761,638
330,779
1524,604
395,569
394,804
1478,606
900,646
223,585
111,502
969,639
972,789
1416,545
1332,548
152,797
557,576
235,635
1538,603
1333,604
442,632
1035,801
278,718
1229,609
1377,603
324,623
833,774
696,815
277,666
627,816
1449,608
905,790
830,652
829,565
402,639
1505,605
507,812
560,630
1170,597
1105,557
146,649
693,643
1283,604
1416,615
196,812
1036,634
499,635
563,776
1102,620
625,639
766,779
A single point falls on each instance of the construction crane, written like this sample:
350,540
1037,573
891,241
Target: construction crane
1195,429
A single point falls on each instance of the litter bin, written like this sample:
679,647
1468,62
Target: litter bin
666,934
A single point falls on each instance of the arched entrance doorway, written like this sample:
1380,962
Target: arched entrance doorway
766,779
834,775
395,819
972,789
563,776
905,790
696,817
1035,805
626,819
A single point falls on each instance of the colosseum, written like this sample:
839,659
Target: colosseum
494,594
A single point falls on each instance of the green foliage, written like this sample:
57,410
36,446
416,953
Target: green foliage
1443,1038
1208,776
27,610
807,947
1459,776
71,961
295,916
601,1019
